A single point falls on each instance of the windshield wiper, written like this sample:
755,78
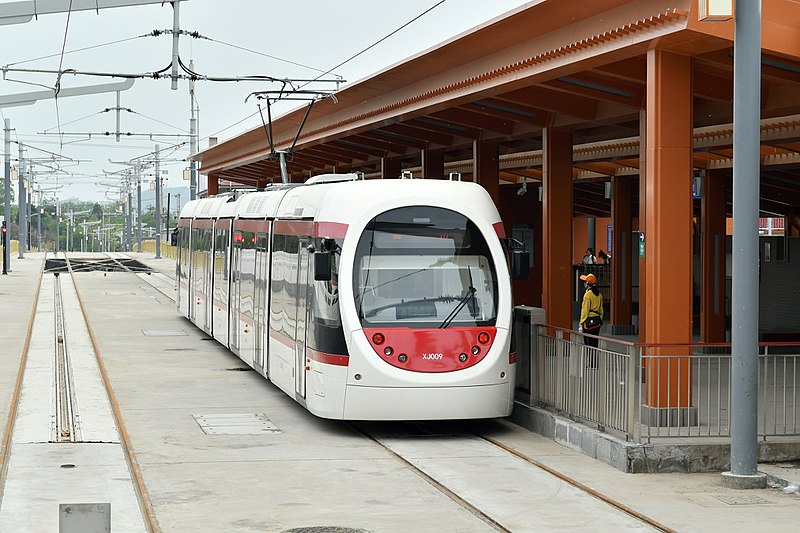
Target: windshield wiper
467,297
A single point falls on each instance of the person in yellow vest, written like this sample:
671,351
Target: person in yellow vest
591,310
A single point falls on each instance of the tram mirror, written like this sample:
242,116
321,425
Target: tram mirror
520,262
322,266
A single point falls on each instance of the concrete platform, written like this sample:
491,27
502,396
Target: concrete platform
313,472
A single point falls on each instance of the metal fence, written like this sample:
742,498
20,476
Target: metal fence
645,392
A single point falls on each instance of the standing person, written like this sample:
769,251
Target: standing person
606,258
591,310
589,258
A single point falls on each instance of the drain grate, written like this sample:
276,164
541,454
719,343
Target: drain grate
741,500
325,529
236,424
163,333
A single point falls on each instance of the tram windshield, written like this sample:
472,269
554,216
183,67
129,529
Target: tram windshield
424,267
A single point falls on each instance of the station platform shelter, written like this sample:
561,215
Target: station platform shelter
607,127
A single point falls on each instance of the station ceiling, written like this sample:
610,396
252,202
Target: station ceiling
537,67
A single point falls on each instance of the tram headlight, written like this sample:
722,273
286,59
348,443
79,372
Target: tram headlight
475,350
388,351
378,338
402,358
462,358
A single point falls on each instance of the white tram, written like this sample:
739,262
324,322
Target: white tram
363,300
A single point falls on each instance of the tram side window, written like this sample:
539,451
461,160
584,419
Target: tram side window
221,264
247,279
281,304
183,242
326,333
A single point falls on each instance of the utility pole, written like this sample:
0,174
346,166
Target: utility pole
169,197
29,222
7,211
130,218
176,33
192,139
744,308
39,221
58,225
22,197
139,209
158,204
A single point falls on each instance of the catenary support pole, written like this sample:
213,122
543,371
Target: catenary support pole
139,211
176,33
39,222
130,220
23,208
192,139
7,182
744,308
158,205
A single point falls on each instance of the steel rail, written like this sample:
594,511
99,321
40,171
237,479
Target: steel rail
5,453
578,485
435,484
146,506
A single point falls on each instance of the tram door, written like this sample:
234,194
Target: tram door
260,302
234,318
301,313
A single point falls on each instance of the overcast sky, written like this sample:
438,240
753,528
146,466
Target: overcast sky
314,33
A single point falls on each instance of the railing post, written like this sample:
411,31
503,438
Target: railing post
536,349
633,384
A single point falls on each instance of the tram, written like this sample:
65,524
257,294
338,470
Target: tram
360,299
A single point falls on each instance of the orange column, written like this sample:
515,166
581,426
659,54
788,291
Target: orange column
557,227
486,167
433,164
712,223
213,184
622,261
668,237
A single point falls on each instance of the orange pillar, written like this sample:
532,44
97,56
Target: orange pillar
622,260
390,167
433,164
213,184
712,223
557,227
642,221
486,167
668,237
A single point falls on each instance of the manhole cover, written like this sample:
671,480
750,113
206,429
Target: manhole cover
163,333
325,529
741,500
236,424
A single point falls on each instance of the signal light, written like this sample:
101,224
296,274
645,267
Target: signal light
388,351
475,350
483,337
378,338
462,357
402,358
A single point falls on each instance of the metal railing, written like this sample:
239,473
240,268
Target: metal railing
644,392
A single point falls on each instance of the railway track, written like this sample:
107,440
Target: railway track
432,437
82,410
